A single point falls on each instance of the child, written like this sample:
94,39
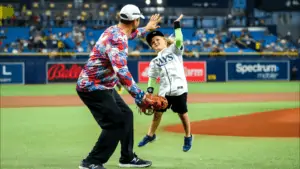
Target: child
168,65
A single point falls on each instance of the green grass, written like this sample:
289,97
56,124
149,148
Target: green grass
228,87
59,137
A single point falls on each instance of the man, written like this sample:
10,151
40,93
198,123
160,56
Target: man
106,67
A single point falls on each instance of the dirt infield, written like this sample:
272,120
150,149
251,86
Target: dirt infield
42,101
280,123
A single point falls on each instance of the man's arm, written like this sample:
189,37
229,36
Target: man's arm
139,33
118,56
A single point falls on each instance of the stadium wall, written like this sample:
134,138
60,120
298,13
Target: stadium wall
37,69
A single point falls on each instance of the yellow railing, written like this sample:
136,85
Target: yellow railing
54,54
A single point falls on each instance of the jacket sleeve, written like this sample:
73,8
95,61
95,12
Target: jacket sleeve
139,33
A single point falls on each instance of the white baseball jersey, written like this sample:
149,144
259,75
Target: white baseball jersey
168,65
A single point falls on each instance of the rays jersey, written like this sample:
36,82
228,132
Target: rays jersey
168,66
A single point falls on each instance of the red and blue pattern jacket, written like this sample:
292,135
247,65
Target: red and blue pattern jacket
107,64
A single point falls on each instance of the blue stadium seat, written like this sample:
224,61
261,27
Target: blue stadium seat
231,49
14,33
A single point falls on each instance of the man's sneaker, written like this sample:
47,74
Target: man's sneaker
146,140
187,143
136,162
86,165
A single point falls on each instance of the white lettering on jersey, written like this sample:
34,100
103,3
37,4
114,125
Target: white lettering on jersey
169,67
163,60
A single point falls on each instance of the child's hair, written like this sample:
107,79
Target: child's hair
170,41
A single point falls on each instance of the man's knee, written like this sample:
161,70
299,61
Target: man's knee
113,124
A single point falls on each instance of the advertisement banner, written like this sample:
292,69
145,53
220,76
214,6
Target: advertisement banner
63,72
12,73
257,70
194,71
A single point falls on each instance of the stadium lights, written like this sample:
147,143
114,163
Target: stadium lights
159,2
148,2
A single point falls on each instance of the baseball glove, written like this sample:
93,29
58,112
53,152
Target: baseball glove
152,103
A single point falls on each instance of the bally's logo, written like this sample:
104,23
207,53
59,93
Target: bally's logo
256,68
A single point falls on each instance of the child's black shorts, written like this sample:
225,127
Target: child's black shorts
178,104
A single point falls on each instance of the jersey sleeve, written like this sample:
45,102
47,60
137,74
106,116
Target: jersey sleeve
177,51
117,53
153,71
139,32
178,48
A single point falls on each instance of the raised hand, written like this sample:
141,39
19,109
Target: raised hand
153,23
179,18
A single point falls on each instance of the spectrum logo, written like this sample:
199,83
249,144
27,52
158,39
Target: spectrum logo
256,68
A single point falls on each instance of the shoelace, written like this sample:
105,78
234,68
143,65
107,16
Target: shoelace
186,141
147,138
93,166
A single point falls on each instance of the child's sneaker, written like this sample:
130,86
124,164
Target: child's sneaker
146,140
187,143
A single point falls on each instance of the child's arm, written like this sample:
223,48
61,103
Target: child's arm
178,36
153,73
151,85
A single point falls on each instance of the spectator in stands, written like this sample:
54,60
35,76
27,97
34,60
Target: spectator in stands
6,49
60,46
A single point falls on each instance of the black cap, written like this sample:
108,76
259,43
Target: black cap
152,34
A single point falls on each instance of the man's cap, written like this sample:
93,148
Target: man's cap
130,12
152,34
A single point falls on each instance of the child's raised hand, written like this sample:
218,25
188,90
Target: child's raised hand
179,18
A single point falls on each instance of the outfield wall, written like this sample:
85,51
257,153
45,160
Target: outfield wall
41,69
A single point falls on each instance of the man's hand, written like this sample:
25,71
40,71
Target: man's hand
179,18
152,24
152,103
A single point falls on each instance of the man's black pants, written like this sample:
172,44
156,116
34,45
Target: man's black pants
116,120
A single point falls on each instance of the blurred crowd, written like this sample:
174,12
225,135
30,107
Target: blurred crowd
45,41
42,39
210,40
